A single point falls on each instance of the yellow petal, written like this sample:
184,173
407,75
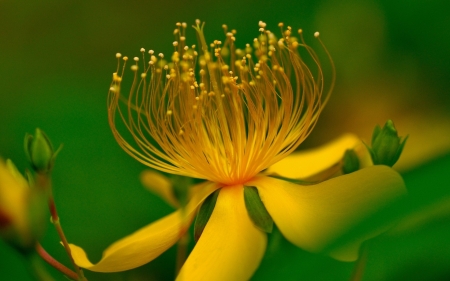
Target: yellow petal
160,185
14,192
230,247
307,163
147,243
314,216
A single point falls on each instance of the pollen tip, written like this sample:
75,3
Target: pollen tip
118,55
316,34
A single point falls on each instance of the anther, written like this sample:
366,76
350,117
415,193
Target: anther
142,50
136,59
118,55
151,52
316,34
175,43
169,112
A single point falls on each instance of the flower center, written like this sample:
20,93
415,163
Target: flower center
219,113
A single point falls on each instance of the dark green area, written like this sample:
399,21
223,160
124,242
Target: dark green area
57,58
256,209
204,213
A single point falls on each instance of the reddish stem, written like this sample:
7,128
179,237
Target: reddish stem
54,263
360,265
45,182
4,220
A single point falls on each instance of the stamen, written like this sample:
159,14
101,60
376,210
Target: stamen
222,114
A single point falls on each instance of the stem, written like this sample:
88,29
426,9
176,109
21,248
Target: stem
182,251
360,265
45,182
37,269
54,263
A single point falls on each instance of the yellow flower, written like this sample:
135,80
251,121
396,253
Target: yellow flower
22,209
226,115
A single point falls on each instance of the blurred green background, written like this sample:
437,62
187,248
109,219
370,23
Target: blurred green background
392,62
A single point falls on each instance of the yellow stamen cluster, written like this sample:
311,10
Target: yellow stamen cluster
217,112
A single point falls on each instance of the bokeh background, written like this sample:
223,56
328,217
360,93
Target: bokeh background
392,60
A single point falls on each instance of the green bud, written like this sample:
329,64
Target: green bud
204,214
350,162
387,146
40,152
256,209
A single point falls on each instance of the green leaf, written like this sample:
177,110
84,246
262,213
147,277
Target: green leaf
350,162
204,214
256,209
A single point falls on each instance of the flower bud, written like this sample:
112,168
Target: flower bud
350,162
23,209
387,146
39,151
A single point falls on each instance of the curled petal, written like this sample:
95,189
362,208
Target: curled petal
147,243
314,216
307,163
230,247
160,185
